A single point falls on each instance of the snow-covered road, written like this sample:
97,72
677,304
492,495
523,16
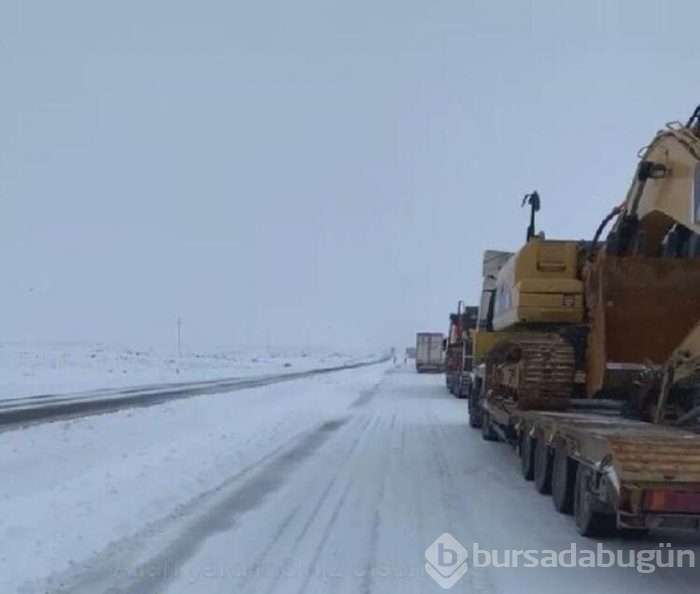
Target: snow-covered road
328,484
48,407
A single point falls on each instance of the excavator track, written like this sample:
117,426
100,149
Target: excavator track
533,373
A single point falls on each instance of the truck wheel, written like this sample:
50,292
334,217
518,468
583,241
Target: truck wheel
543,467
563,481
589,522
474,410
462,392
487,432
527,455
472,415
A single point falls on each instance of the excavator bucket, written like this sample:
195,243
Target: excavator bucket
641,309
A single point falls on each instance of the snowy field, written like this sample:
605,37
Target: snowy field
334,483
92,495
30,369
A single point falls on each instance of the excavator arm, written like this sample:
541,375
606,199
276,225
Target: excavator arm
660,215
643,281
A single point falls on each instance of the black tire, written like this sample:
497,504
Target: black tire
563,481
487,432
589,522
527,458
473,423
462,392
475,412
543,467
464,388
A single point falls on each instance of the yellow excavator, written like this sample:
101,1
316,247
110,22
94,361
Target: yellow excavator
602,319
590,351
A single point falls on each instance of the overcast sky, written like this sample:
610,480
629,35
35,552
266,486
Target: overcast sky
327,171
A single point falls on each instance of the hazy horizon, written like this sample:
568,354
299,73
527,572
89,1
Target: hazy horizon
317,173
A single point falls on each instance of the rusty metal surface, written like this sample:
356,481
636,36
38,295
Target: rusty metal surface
638,453
640,311
546,370
533,372
658,459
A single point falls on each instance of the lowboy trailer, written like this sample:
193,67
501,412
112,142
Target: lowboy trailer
610,472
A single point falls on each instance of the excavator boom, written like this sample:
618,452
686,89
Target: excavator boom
643,282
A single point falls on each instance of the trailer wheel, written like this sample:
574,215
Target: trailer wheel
527,455
462,392
543,467
563,481
473,418
487,432
589,522
475,412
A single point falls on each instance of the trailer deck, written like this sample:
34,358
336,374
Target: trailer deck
647,474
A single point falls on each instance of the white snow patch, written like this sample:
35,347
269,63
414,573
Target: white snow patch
76,486
28,369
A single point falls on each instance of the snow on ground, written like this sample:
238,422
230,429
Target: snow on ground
30,369
77,486
332,484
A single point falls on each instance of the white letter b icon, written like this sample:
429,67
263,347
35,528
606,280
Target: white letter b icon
447,561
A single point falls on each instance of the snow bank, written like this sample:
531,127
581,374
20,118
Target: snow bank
30,369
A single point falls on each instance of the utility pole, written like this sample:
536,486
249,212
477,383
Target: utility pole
179,337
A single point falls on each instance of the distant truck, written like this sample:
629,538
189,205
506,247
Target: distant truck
410,352
429,347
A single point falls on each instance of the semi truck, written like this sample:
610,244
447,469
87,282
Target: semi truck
458,350
587,353
429,352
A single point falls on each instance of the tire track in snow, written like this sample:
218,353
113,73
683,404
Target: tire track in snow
367,428
221,506
368,579
339,506
457,509
287,521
